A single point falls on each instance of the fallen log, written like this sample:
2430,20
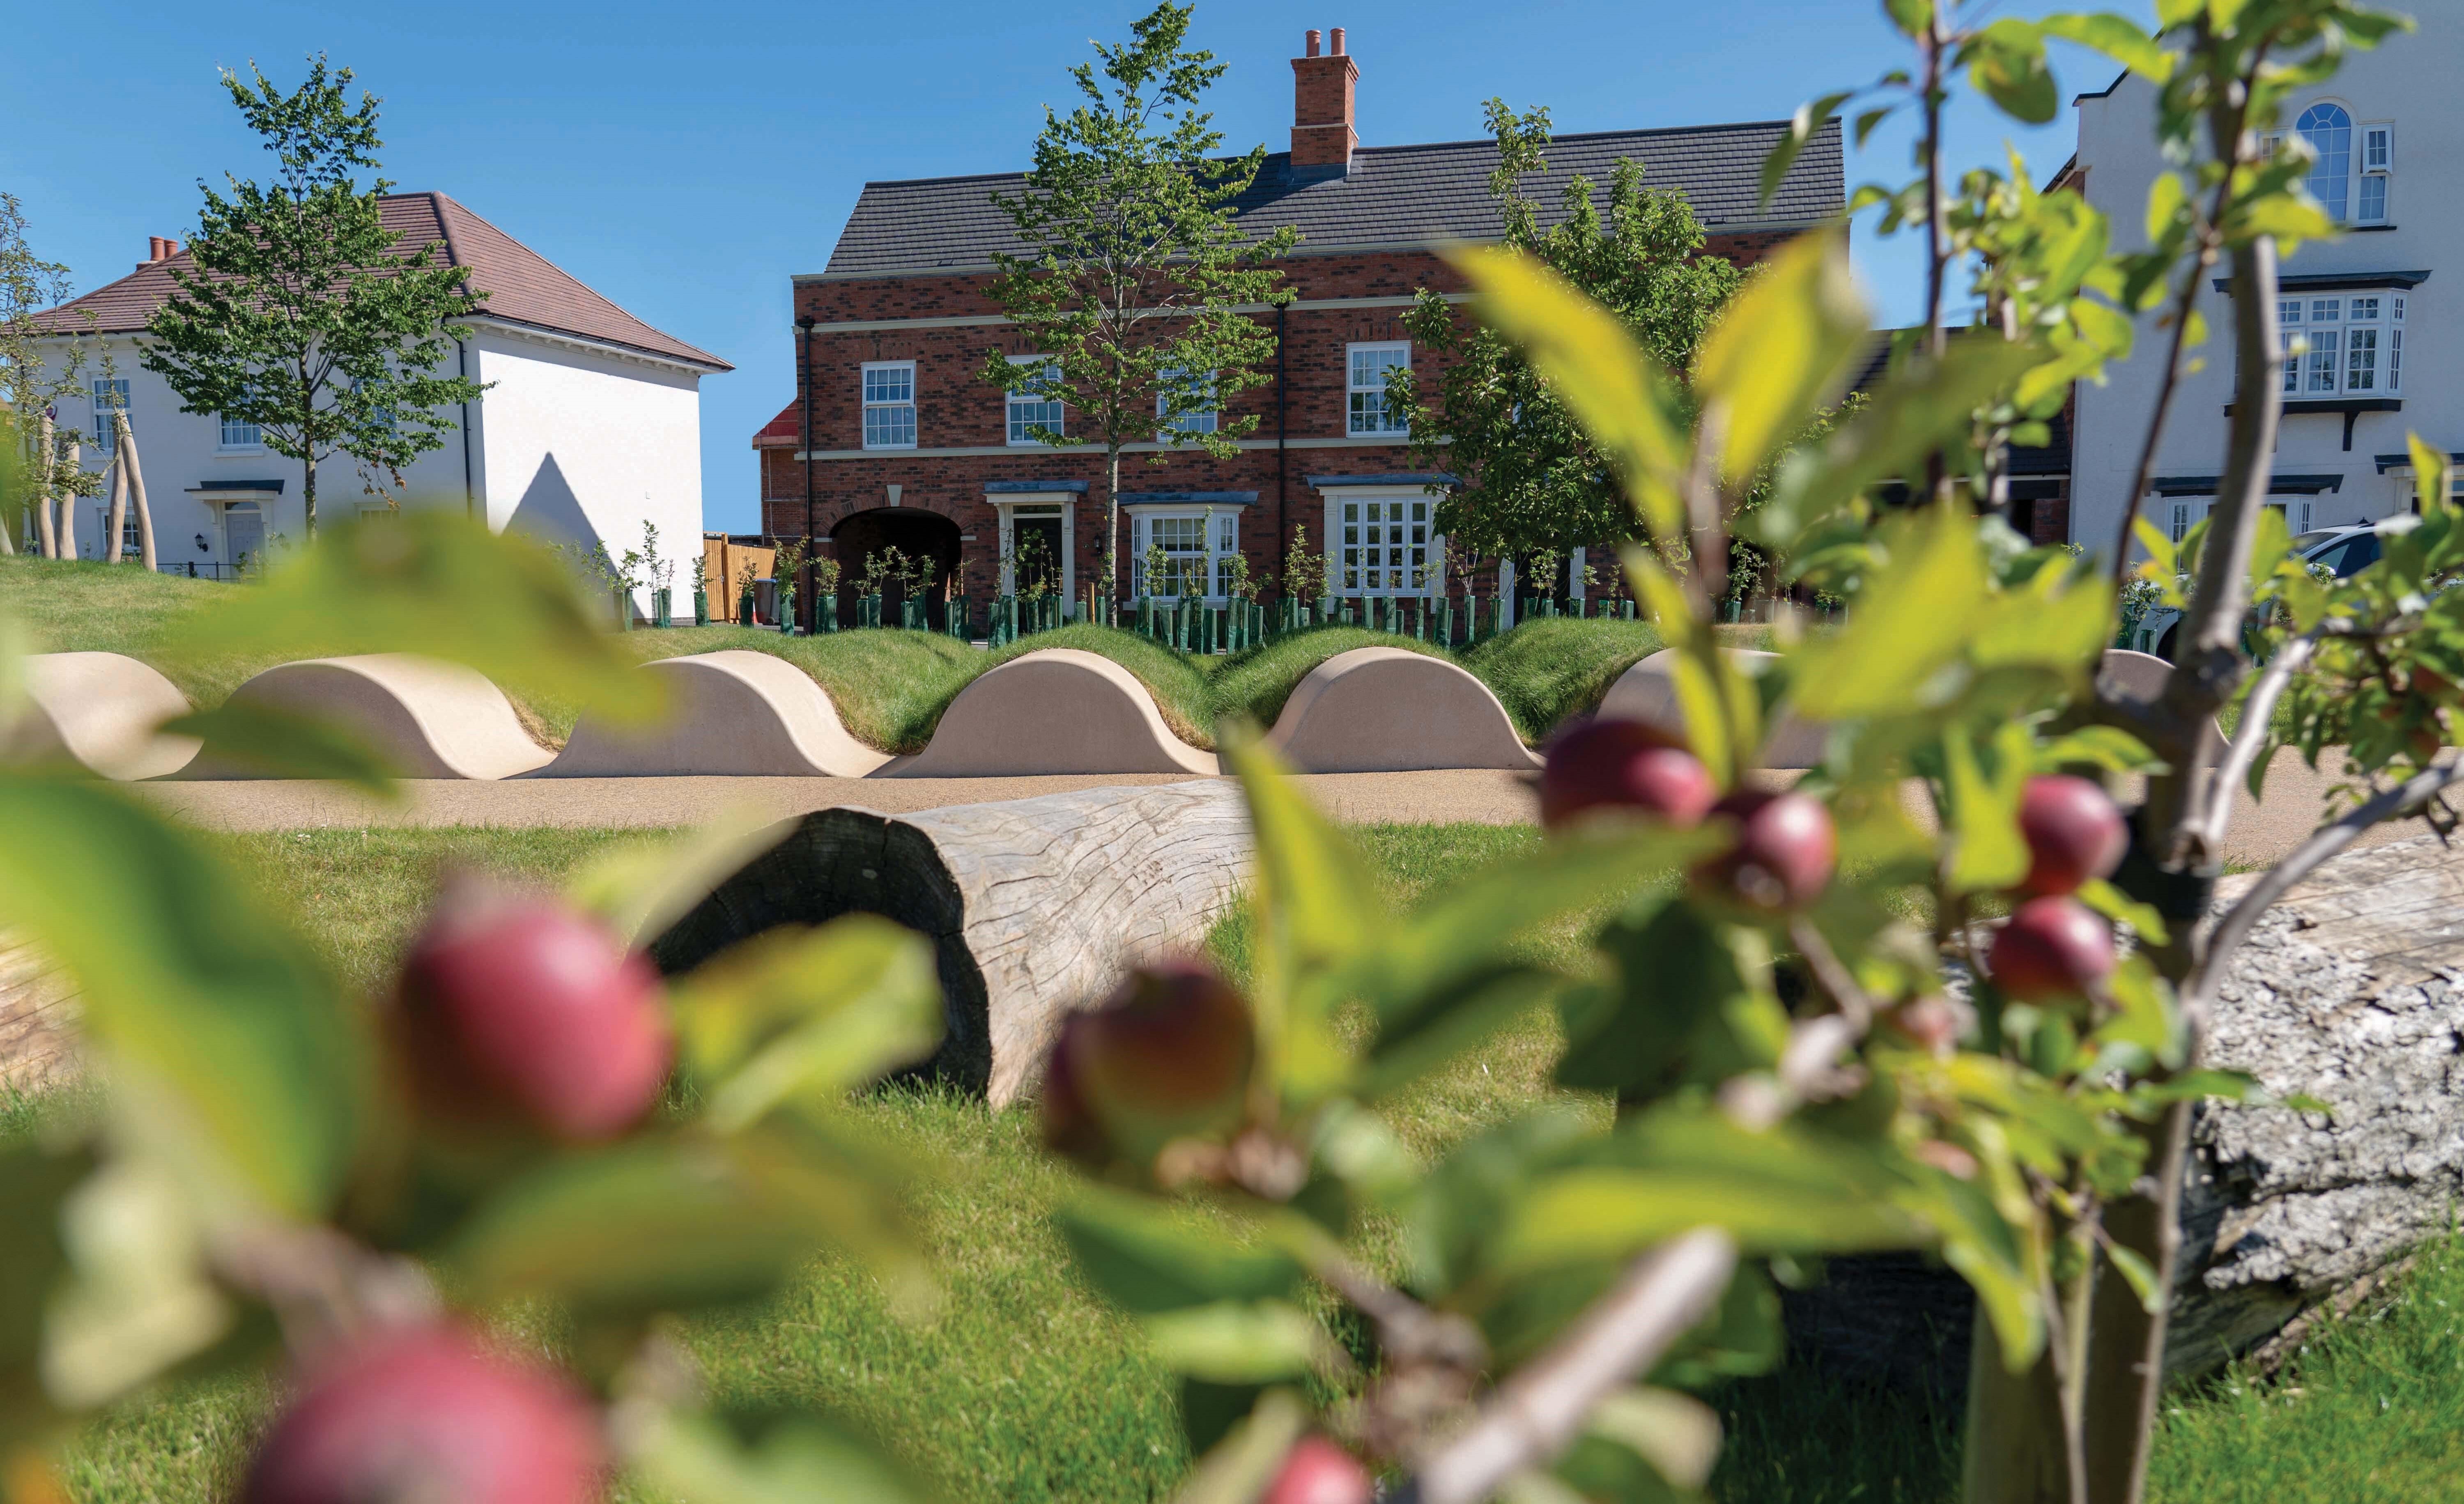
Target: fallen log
1034,907
2350,991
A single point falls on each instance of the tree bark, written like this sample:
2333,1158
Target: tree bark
116,526
68,500
2022,1444
1035,907
137,491
47,541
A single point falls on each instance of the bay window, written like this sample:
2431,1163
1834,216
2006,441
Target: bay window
2343,345
1379,545
1199,545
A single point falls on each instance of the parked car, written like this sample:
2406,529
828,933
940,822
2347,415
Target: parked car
2345,551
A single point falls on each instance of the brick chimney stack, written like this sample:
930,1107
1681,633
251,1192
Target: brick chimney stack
1322,133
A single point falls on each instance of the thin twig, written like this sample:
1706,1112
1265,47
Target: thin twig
2257,711
1537,1413
2324,842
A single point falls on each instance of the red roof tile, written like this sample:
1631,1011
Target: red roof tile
522,286
780,432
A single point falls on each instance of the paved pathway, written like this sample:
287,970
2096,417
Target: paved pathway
2260,834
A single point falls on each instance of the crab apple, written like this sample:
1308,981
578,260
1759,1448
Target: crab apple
1318,1472
425,1414
1624,765
1783,854
2052,947
1168,1056
514,1006
2074,833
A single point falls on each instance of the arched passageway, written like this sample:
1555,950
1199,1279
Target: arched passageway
900,549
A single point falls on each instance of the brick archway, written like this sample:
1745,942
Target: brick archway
916,533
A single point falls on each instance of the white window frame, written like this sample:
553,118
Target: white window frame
1354,390
1205,420
1021,408
888,406
2327,327
102,393
1219,531
1358,578
1039,504
223,444
2377,136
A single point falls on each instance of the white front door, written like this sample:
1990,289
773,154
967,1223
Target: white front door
243,533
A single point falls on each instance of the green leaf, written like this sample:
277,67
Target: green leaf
673,1224
1690,1001
1784,348
809,1014
2123,909
768,1459
639,890
2006,62
235,1051
1911,620
1984,780
2115,36
35,1186
1675,1435
1148,1259
140,1297
2140,1274
1810,117
433,583
1423,1033
2108,747
1236,1342
276,742
1590,362
1240,1468
2145,1015
2433,480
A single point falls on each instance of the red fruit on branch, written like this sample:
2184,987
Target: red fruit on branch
2053,949
1784,852
515,1007
1318,1472
1622,765
2074,833
429,1414
1168,1056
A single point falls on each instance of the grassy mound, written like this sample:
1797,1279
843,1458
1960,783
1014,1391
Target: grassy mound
1548,669
1255,681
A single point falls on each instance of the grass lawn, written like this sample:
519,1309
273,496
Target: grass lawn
1024,1387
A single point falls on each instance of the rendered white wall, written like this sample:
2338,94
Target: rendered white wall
579,446
2409,81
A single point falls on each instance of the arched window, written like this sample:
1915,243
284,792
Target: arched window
2329,131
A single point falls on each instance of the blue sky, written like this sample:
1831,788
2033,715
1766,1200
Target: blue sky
686,161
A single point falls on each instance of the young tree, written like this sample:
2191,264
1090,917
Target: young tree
1135,265
32,379
305,315
1533,479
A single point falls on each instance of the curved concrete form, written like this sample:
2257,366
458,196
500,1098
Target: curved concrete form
99,711
1645,693
2142,676
425,718
732,713
1388,709
1057,710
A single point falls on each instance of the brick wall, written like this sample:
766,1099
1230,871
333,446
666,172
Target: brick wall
956,410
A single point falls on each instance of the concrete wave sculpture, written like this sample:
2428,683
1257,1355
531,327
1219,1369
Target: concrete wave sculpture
1388,709
1646,693
99,711
731,713
425,718
1055,710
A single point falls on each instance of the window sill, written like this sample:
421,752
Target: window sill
887,449
239,451
2365,229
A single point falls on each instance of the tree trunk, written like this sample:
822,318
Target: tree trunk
1034,907
116,526
307,495
2021,1446
1111,532
137,491
47,542
68,506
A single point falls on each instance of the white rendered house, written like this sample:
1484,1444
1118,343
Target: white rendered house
2375,311
591,427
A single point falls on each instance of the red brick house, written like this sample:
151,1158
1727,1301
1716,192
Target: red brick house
908,448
